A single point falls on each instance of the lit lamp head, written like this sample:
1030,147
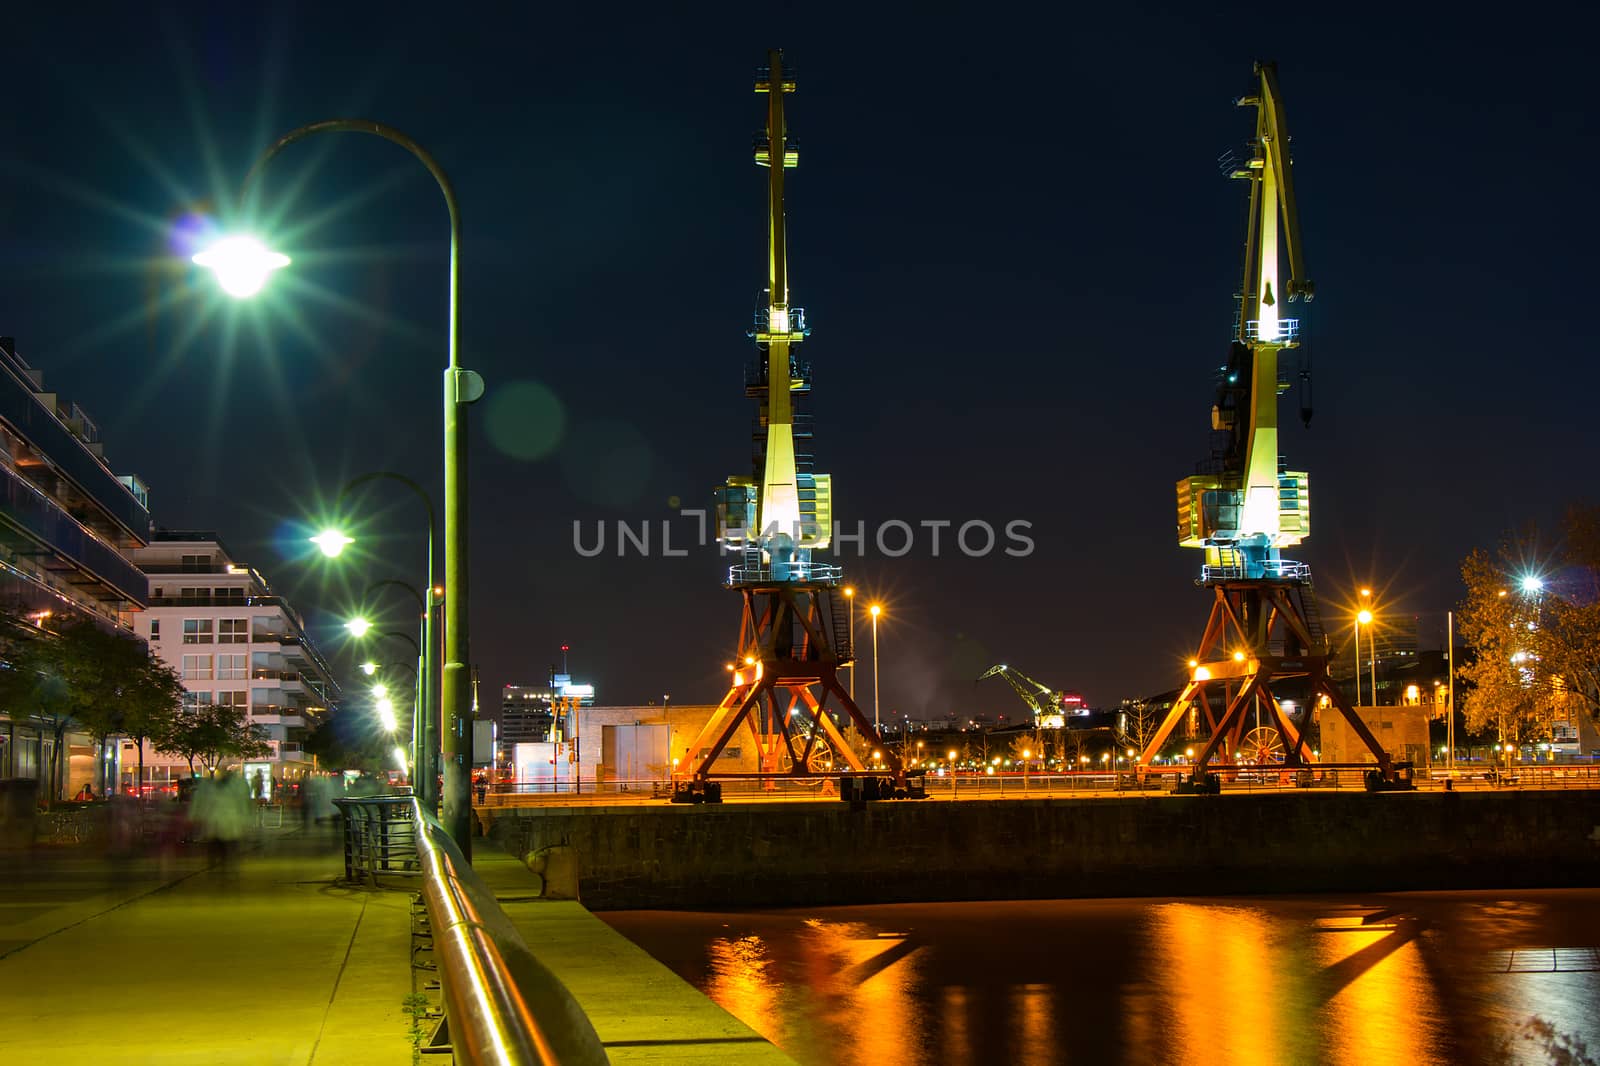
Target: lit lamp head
242,264
1533,583
358,627
1364,617
875,610
369,668
332,542
380,691
400,760
386,716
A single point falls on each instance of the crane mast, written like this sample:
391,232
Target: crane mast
778,516
1242,506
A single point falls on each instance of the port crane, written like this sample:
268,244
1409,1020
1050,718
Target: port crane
1242,506
1045,702
794,632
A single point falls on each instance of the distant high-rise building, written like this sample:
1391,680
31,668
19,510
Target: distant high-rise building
528,712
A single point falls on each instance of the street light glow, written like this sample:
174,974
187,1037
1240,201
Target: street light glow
1532,583
369,668
875,610
386,716
358,627
380,690
242,265
332,542
1364,617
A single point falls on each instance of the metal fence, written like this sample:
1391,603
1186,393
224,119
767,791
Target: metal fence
1013,784
501,1005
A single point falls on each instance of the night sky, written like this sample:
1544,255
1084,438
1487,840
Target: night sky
1009,231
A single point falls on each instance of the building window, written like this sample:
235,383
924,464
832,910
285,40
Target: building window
197,668
194,564
230,667
233,698
234,631
197,631
193,700
195,596
155,627
230,595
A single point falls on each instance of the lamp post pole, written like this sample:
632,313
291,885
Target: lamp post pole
423,783
1450,689
461,388
425,738
875,726
1358,661
850,601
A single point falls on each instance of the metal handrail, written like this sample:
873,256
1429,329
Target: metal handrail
502,1006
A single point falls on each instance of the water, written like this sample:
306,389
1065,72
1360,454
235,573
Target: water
1411,978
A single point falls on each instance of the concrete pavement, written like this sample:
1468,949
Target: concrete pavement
642,1011
267,959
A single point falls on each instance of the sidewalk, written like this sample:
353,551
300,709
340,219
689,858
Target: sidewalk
642,1011
267,961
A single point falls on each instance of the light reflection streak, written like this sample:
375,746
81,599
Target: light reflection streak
1375,1002
1032,1027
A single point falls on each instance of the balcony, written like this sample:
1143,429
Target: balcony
32,518
47,435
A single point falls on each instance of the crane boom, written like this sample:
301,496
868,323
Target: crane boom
1243,506
1044,701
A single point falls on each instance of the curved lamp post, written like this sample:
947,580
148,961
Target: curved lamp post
425,726
243,266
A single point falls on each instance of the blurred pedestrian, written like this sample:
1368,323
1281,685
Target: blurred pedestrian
221,813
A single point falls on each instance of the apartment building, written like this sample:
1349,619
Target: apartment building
234,642
66,520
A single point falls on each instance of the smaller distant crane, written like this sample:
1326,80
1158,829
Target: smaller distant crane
1042,699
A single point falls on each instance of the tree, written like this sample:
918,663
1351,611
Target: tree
151,706
212,733
1137,723
1534,632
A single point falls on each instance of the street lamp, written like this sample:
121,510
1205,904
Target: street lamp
1361,618
358,626
242,267
1364,618
242,264
332,542
426,735
850,605
875,611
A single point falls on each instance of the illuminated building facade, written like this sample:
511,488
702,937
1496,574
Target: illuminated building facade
66,521
234,642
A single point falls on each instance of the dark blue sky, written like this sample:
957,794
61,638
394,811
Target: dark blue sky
1009,231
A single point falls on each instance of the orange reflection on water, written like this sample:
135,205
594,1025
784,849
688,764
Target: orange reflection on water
741,983
1374,1005
1031,1026
871,976
956,1029
1218,978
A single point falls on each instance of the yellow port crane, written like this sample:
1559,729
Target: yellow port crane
1044,701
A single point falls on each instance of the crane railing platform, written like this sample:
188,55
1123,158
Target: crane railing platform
1288,331
1271,570
796,573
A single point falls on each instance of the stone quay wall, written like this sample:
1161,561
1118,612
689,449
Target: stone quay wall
810,853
